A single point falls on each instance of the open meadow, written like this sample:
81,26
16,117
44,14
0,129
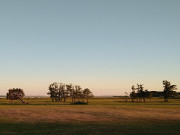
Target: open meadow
107,116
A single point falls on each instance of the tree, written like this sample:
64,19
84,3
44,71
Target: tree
60,91
140,89
70,90
141,94
126,97
87,94
168,90
133,94
78,93
15,94
63,91
54,92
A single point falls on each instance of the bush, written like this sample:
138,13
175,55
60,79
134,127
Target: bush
79,103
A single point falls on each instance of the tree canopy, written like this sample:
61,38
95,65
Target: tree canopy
61,91
169,90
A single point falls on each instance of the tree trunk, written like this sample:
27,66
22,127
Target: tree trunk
53,99
144,100
165,99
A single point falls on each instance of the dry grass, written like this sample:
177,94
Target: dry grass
81,113
107,116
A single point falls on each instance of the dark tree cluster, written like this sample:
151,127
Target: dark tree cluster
60,92
138,93
168,90
15,94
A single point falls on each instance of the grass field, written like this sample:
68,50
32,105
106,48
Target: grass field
102,116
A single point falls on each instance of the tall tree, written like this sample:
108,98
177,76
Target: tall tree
78,93
133,94
70,90
60,91
64,92
87,94
54,92
141,94
168,90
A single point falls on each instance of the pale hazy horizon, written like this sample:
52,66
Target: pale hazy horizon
106,46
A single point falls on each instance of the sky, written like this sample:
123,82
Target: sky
104,45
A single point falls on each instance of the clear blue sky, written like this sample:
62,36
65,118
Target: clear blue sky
105,45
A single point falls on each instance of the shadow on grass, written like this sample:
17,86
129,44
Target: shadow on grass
79,103
89,128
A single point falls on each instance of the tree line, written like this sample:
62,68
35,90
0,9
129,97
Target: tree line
60,92
138,93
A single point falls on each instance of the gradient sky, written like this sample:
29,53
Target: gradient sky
105,45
